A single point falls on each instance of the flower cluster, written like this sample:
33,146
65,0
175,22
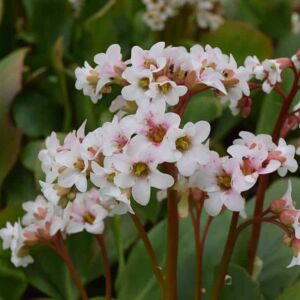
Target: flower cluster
89,177
208,12
168,73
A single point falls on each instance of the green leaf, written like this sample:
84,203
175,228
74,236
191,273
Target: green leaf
11,68
203,107
11,213
138,267
225,124
49,274
10,148
269,12
12,281
288,45
36,115
233,37
24,180
291,293
1,10
29,155
47,27
240,282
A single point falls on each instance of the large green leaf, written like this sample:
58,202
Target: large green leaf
291,293
233,37
11,213
240,281
203,107
138,266
37,114
262,14
11,69
47,27
24,180
12,280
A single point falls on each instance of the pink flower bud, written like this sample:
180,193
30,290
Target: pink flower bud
284,63
287,217
278,205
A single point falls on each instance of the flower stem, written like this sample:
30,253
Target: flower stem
199,285
105,259
172,246
220,276
150,251
263,181
60,248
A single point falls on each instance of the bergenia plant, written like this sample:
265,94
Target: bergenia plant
147,151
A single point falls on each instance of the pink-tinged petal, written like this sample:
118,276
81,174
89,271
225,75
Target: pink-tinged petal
160,180
200,153
202,131
157,49
74,227
137,55
81,183
233,201
238,151
129,92
96,228
213,205
186,166
141,192
124,181
67,178
122,163
272,166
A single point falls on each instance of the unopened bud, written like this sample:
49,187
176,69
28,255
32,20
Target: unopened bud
278,205
287,217
284,63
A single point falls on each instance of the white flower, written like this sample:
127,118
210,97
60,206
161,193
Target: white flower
152,60
286,156
187,146
254,67
165,89
139,84
45,215
13,239
89,81
84,213
10,235
138,170
110,64
273,71
116,136
222,179
153,126
103,177
75,165
47,157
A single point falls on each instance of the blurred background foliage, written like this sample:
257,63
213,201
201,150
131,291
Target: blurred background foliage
41,43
